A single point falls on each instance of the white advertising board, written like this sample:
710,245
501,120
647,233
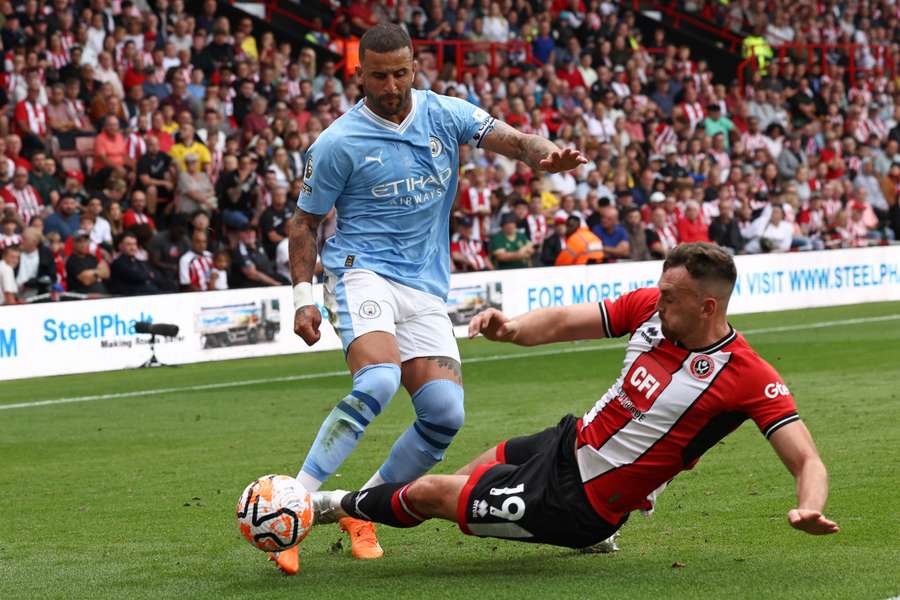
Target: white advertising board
98,335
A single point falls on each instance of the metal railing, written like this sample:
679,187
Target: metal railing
884,57
468,55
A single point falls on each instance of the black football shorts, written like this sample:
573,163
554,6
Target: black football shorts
533,493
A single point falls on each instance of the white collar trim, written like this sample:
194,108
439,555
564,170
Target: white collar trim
378,120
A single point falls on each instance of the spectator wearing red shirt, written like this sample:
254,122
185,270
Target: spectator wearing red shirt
571,74
691,227
256,120
517,115
13,148
110,150
136,213
552,118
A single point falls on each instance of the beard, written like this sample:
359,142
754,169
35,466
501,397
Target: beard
390,104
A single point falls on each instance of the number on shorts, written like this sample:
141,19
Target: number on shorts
513,508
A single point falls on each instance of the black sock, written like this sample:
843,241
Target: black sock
386,503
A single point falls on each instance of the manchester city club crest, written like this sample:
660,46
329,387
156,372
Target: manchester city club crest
702,367
436,147
369,310
307,172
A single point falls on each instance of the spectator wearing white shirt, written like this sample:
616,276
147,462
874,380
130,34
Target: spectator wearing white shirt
775,236
101,232
36,271
496,27
563,183
9,289
105,72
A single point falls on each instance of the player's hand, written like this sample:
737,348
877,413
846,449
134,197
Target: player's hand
563,160
494,325
812,522
306,323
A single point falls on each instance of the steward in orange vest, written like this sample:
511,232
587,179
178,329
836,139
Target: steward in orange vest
582,246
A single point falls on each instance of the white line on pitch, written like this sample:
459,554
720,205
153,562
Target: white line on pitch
476,359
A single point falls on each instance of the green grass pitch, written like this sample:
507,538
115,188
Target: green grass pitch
134,496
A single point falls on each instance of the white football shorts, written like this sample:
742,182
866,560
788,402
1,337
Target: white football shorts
360,301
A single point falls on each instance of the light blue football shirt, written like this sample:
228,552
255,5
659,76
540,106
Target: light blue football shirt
393,187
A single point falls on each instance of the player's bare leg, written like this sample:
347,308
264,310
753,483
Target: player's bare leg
488,456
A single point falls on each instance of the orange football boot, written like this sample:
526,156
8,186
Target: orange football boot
287,560
363,543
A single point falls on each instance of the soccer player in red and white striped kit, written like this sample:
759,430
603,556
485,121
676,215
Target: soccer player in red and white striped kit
688,380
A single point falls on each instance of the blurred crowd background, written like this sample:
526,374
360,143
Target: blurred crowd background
150,147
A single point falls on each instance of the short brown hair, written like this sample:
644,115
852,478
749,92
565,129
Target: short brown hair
707,263
384,37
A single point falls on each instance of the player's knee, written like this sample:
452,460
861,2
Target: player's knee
429,495
440,406
374,386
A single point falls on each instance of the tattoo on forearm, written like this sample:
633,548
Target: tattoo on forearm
302,245
534,149
448,363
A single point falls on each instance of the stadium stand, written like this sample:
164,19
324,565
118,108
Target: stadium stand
141,122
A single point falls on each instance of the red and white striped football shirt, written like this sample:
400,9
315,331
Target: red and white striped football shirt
194,269
472,250
694,113
537,228
27,201
472,201
669,406
34,115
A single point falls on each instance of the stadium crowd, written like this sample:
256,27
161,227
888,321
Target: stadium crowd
144,149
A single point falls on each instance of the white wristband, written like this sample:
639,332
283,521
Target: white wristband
302,295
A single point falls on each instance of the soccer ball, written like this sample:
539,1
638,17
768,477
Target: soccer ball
275,513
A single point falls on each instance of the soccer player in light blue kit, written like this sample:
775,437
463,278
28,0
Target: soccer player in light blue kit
389,167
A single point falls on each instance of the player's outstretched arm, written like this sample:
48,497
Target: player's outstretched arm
795,446
541,326
538,153
302,255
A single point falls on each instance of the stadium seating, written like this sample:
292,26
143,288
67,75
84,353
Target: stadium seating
796,151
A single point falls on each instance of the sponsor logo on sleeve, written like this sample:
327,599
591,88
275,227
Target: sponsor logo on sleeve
486,127
775,389
308,171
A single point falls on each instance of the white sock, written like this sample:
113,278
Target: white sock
309,482
373,481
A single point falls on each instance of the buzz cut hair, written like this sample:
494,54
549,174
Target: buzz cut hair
384,37
708,263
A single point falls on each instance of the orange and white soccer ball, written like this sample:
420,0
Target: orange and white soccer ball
275,513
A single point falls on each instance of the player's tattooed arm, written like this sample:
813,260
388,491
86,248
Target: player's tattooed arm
302,245
538,153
